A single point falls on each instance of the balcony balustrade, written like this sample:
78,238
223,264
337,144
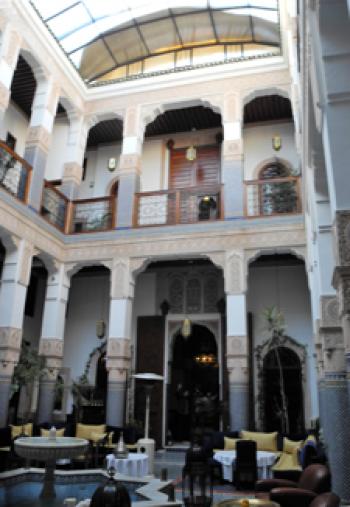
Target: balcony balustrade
265,197
15,173
272,197
181,206
82,215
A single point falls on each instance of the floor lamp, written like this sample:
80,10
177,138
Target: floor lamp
147,444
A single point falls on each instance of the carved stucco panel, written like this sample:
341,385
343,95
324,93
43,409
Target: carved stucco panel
4,96
235,273
342,230
121,281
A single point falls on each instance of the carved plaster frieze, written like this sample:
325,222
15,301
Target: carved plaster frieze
25,260
236,346
13,47
39,137
4,97
118,359
341,281
10,338
130,164
122,283
72,172
232,150
51,348
118,348
232,108
235,273
342,234
329,311
237,369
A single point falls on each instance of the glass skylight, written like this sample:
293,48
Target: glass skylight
108,40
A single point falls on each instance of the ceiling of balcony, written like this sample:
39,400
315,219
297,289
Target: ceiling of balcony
266,108
109,40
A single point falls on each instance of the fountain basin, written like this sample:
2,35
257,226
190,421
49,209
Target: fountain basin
45,449
21,487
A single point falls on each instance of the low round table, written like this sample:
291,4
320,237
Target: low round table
264,459
253,502
49,451
135,465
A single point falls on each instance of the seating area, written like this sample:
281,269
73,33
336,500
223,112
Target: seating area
102,440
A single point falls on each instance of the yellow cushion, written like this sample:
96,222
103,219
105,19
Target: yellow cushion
290,446
288,461
230,443
309,438
96,437
46,433
264,441
86,430
25,429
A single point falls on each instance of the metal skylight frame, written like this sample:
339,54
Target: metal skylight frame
76,39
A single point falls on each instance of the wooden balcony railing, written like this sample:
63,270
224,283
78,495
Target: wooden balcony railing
89,215
55,207
181,206
272,196
82,215
15,173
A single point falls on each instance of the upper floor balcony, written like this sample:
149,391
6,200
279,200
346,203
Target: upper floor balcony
273,194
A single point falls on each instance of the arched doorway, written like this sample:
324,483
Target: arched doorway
282,376
194,388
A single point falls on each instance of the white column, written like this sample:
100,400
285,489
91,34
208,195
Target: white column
232,158
52,336
129,167
118,347
75,149
13,291
39,134
236,340
9,51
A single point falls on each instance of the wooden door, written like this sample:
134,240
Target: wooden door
150,359
202,172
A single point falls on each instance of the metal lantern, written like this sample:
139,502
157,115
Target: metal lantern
111,494
197,479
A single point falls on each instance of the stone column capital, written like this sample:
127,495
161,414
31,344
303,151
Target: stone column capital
130,164
52,350
10,347
232,108
10,45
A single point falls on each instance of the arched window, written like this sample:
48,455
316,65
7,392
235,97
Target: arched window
278,190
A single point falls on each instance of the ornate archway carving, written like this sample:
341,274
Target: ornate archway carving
261,352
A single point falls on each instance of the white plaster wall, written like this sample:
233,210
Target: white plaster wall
257,142
57,154
103,176
16,123
286,288
152,166
88,302
86,187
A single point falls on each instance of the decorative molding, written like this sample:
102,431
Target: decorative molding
118,359
130,164
235,273
329,311
10,347
232,150
4,97
121,282
342,233
51,347
13,47
38,137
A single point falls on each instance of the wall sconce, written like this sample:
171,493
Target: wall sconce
100,329
112,164
276,142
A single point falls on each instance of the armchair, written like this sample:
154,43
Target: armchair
314,480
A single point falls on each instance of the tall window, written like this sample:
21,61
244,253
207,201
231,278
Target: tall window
276,195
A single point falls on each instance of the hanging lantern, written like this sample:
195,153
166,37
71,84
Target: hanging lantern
100,329
186,328
191,153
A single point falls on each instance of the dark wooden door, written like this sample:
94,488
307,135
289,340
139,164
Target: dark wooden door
150,359
202,172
